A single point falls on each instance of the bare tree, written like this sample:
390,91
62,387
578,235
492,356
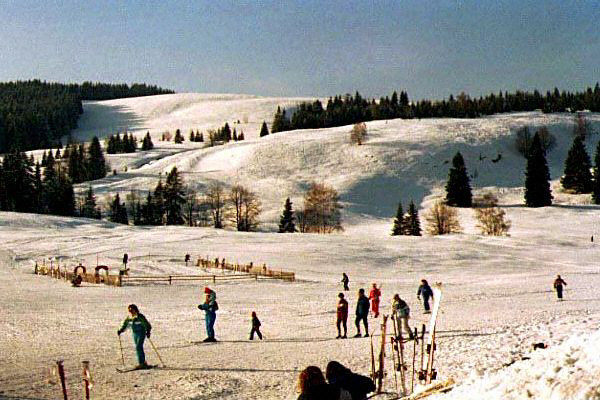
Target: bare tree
490,218
524,139
358,134
300,218
191,206
442,220
216,203
246,207
322,209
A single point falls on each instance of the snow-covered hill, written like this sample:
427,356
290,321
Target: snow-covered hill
498,297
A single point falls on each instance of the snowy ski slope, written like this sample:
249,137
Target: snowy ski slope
498,297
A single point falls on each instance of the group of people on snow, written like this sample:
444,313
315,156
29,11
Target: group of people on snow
341,383
364,304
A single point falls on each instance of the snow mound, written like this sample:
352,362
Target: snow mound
567,371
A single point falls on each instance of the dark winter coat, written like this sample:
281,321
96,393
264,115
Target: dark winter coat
362,306
425,291
357,385
255,322
323,392
559,282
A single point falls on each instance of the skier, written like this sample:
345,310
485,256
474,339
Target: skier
357,385
374,296
210,307
312,386
76,281
141,329
345,281
401,313
427,293
342,316
255,327
362,313
558,285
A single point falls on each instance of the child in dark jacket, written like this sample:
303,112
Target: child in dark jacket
255,327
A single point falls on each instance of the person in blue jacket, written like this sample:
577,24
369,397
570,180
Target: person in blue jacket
427,293
210,307
141,329
362,312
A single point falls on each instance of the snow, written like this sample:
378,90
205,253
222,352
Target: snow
498,297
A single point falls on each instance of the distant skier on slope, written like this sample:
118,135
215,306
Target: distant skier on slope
362,313
209,307
558,286
341,316
255,327
427,293
141,329
345,281
374,296
401,313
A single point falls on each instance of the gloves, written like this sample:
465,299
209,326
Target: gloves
148,334
199,306
119,332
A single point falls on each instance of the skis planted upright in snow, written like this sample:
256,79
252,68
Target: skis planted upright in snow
381,371
437,297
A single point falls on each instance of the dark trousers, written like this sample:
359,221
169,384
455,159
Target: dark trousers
257,331
559,290
346,288
365,321
341,322
426,303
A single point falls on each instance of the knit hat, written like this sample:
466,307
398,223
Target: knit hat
207,290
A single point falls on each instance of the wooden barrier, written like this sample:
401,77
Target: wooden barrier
58,272
173,278
246,268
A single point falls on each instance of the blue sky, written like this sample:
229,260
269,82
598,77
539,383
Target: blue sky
311,48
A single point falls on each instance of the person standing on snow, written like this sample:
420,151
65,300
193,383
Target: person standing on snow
362,313
342,316
427,293
374,296
401,313
558,285
312,386
255,327
210,308
345,281
141,329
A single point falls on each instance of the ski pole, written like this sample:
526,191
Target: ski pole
121,347
156,351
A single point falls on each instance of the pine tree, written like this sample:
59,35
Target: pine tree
192,136
399,227
413,225
458,188
118,211
241,136
178,137
201,139
286,222
577,176
90,209
537,177
596,183
147,142
264,131
96,163
281,122
226,133
159,203
234,135
174,198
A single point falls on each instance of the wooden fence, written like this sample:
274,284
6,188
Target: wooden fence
61,272
246,268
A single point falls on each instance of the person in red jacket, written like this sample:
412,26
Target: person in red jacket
342,316
374,296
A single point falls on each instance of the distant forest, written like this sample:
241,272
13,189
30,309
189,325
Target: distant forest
348,109
36,114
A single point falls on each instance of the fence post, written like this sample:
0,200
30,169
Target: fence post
214,279
169,279
61,374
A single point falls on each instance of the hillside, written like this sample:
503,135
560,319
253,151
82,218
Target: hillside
498,296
